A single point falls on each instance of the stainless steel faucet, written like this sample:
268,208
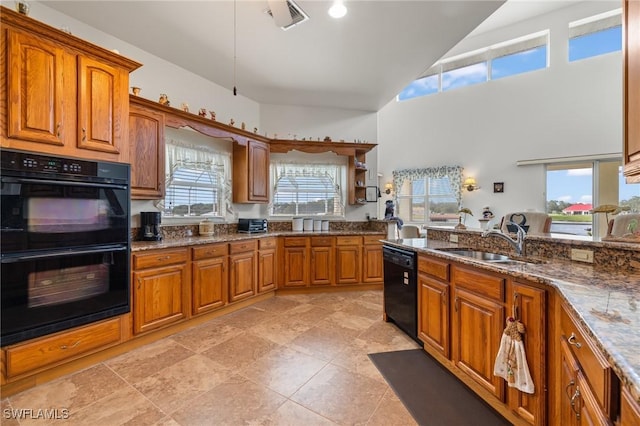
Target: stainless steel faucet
517,244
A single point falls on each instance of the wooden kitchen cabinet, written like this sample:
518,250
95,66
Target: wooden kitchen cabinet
357,178
528,303
372,263
62,95
629,409
348,259
161,289
146,152
477,324
433,303
242,270
251,172
267,264
295,262
631,92
322,261
209,277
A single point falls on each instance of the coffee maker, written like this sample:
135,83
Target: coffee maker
150,226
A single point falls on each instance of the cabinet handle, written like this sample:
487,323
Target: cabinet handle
58,129
573,403
444,297
65,347
566,390
455,304
139,283
84,134
163,258
572,341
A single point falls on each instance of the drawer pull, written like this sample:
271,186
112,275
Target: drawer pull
573,403
571,384
163,258
572,341
65,347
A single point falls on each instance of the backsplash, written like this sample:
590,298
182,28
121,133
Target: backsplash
605,254
170,232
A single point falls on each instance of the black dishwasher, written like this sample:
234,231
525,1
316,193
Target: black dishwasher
401,289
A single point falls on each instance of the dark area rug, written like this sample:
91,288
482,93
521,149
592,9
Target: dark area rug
433,395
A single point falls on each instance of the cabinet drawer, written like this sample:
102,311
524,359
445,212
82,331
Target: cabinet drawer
483,284
267,243
373,239
595,367
242,246
159,258
435,268
321,241
209,251
349,241
28,357
295,242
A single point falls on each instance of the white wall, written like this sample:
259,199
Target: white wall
568,109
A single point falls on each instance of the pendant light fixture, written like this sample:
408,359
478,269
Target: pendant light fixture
235,90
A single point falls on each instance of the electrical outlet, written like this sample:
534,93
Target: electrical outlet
453,238
582,255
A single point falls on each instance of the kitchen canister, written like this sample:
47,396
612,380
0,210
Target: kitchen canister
308,225
206,228
325,225
317,225
297,224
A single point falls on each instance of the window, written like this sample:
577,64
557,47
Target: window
513,57
573,189
196,182
595,36
307,189
430,195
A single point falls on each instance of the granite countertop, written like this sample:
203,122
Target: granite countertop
223,238
604,300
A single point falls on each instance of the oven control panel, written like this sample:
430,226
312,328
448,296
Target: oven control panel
28,162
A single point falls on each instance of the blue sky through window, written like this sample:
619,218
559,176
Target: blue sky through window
594,44
518,63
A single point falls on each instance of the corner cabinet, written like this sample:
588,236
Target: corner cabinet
146,152
357,178
631,92
62,95
250,172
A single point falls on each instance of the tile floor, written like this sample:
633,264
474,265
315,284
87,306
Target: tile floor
288,360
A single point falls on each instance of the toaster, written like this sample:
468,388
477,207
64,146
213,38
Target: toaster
251,226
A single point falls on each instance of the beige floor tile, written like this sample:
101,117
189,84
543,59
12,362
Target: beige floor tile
234,402
363,308
72,392
172,387
281,330
248,317
375,297
336,393
352,322
124,407
277,305
323,341
391,411
292,414
9,417
207,335
167,421
284,370
355,358
240,351
388,334
331,301
142,362
307,314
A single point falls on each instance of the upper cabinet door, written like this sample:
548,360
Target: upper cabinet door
146,153
101,101
631,68
36,88
259,171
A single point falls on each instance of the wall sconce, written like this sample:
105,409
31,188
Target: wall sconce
388,187
470,184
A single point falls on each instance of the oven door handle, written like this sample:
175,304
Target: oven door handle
64,183
61,253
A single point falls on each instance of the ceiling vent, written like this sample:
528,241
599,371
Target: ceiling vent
297,15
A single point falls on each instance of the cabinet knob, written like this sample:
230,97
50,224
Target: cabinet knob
572,341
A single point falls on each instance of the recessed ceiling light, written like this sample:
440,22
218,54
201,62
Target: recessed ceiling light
338,9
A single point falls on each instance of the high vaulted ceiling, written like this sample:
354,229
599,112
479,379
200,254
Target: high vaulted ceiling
358,62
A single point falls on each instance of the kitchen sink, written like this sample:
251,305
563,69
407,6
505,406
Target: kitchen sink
481,255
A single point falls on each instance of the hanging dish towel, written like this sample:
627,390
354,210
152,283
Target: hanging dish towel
511,362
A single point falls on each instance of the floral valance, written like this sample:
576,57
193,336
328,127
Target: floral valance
454,173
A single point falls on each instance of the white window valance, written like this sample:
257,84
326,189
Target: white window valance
454,173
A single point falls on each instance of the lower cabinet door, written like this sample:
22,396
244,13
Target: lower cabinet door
242,276
209,284
433,314
160,297
267,271
477,329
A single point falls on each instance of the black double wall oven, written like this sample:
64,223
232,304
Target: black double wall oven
65,243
